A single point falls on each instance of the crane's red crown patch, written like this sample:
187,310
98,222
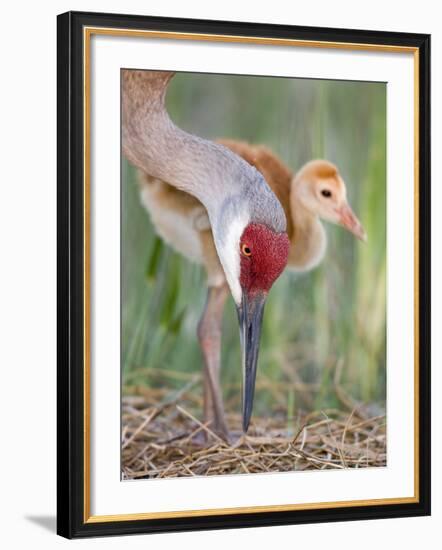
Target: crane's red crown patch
266,257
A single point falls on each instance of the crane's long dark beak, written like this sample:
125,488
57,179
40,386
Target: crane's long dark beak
250,314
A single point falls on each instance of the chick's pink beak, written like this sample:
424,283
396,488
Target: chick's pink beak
348,219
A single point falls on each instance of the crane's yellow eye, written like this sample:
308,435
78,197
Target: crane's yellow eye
246,250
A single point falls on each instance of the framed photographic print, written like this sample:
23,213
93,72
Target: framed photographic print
243,274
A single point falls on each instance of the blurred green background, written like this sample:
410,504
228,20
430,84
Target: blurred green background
320,328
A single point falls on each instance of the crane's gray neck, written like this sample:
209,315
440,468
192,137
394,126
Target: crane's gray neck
227,185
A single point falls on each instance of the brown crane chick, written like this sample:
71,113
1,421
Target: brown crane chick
317,192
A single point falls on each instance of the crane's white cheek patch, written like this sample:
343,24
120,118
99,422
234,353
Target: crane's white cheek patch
228,252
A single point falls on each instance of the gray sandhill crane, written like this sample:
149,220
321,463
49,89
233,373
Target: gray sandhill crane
247,221
316,192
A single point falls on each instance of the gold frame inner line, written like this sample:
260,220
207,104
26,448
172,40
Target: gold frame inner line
87,34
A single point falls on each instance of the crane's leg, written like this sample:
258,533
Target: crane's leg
209,335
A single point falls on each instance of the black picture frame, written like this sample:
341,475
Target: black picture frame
72,521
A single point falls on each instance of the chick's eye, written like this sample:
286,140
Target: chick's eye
246,250
326,193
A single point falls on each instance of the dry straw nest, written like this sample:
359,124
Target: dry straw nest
162,437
